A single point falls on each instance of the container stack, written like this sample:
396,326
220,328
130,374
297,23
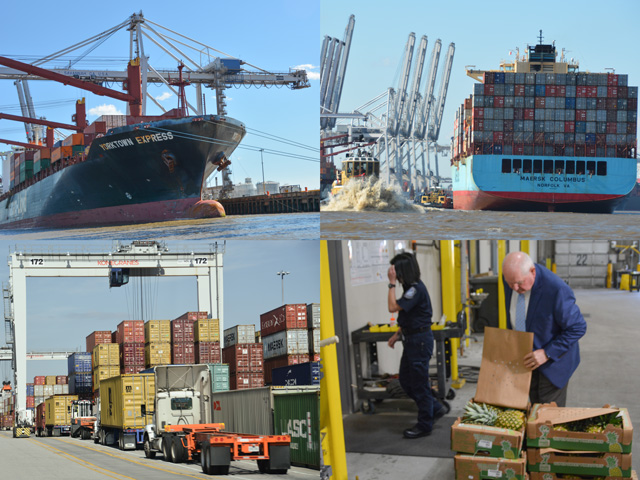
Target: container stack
31,400
129,335
41,160
98,337
157,337
313,324
105,362
246,369
80,375
38,389
579,441
206,332
182,341
219,377
548,114
285,338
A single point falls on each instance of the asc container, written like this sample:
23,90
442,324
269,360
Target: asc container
96,338
182,330
157,331
287,342
313,315
302,374
130,331
61,389
58,414
73,139
206,330
283,318
208,352
157,354
62,380
47,390
314,341
106,354
239,334
298,415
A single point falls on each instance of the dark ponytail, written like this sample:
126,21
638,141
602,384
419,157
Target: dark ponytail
407,269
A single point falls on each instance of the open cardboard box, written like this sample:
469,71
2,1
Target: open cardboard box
553,476
470,467
541,433
503,381
579,463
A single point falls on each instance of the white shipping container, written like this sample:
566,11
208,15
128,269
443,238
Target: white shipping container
38,390
48,390
313,315
61,389
285,342
239,334
314,341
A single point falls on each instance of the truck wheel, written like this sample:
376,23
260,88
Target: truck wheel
85,435
178,452
147,448
205,460
121,441
166,447
263,466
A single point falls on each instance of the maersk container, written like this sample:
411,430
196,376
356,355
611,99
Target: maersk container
292,375
286,342
58,414
239,334
298,415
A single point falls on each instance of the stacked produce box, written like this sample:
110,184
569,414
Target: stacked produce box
80,375
105,362
182,341
313,324
244,357
157,337
206,332
285,337
579,441
550,114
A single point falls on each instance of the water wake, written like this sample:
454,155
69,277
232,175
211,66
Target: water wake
370,195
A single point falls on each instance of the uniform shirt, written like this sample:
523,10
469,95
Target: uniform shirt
416,307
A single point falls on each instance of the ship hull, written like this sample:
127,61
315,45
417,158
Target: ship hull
136,174
491,182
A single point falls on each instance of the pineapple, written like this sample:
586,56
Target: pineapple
478,414
511,419
561,428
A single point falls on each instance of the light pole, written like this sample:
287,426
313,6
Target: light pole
282,273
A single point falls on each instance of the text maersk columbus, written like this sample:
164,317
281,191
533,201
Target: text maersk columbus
538,135
145,172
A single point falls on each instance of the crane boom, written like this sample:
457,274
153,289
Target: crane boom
22,144
335,100
434,127
37,121
425,111
401,96
415,86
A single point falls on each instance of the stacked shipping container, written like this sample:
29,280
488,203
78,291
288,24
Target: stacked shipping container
207,336
285,337
80,375
246,369
550,114
157,337
182,341
105,362
313,324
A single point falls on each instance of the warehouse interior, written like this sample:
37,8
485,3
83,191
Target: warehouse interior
462,280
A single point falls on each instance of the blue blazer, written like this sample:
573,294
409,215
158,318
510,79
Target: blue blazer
556,323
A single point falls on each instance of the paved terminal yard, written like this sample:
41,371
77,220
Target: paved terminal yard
67,458
607,375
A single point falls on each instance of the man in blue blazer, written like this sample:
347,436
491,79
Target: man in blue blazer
539,301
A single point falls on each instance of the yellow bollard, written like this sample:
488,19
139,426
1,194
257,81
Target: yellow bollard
449,285
624,281
609,274
525,246
554,267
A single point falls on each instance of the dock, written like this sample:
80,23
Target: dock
294,202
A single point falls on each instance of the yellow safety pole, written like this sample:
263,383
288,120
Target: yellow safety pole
525,246
609,274
473,256
502,312
331,428
548,263
554,267
449,287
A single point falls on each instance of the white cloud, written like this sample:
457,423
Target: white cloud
306,66
313,75
164,96
105,109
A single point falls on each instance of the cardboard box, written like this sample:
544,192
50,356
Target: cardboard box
469,467
541,432
553,476
579,463
485,440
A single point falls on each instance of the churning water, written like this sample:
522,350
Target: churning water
370,195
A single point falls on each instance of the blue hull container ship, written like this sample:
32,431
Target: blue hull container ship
537,135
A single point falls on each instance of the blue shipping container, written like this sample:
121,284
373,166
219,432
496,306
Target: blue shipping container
540,90
30,390
80,383
499,77
79,362
301,374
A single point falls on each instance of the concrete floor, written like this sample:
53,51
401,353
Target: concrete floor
610,354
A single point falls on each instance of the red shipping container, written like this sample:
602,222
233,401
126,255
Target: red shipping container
130,331
31,402
518,149
62,379
114,337
592,92
40,416
478,124
551,91
540,102
39,380
98,337
183,353
488,89
561,91
612,127
601,104
581,115
131,354
208,352
283,361
612,80
538,138
590,150
529,114
131,369
193,316
478,112
498,102
283,318
243,381
632,104
581,91
244,357
623,92
497,137
182,330
612,103
569,127
508,136
518,90
612,92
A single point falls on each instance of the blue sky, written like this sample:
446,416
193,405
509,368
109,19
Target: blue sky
62,312
274,36
597,34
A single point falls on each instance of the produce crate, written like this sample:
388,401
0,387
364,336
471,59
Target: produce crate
579,463
485,440
470,467
553,476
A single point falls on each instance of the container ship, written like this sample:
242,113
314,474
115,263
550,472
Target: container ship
537,135
121,169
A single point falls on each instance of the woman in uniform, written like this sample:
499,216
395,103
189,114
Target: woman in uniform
414,320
